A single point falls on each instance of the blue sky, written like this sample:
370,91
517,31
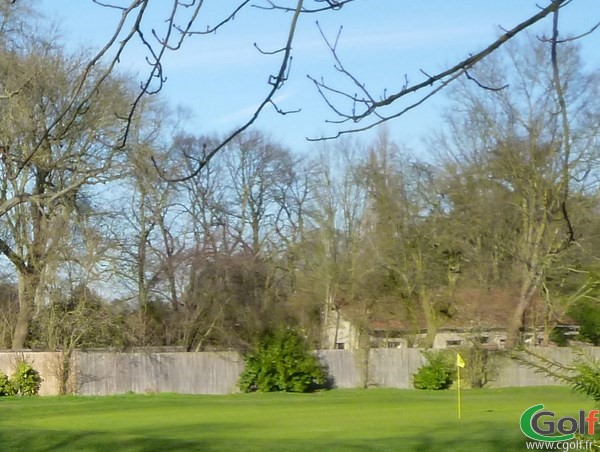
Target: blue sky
221,78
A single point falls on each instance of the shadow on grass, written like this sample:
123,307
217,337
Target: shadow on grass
52,440
483,436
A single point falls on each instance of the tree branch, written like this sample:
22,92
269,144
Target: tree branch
566,130
371,106
17,260
331,5
276,82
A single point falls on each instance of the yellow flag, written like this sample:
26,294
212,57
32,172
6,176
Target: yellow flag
459,361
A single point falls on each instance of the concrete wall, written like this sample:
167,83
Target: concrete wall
102,373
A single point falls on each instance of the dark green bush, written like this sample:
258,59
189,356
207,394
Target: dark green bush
6,387
282,361
587,314
438,373
26,380
558,336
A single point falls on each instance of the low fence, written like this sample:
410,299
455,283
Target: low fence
46,363
103,373
188,373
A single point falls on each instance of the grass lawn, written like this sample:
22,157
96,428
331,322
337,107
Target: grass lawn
357,420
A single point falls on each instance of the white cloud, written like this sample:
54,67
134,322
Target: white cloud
414,39
234,53
244,113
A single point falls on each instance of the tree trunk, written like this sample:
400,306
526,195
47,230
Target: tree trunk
513,337
170,269
430,319
28,287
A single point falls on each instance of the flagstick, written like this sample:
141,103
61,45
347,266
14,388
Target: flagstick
458,387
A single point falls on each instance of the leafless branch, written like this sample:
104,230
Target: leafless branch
566,130
268,52
283,112
582,35
214,28
331,5
572,38
109,5
369,106
276,82
78,100
384,119
129,28
482,86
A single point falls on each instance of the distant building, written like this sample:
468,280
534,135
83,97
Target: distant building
474,317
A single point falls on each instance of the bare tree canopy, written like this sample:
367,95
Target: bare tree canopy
163,28
116,211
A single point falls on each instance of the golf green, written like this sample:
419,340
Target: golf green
358,420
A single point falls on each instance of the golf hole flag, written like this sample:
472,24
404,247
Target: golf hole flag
460,364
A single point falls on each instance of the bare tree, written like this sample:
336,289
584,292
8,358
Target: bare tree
535,150
415,258
186,20
369,109
67,123
257,170
335,226
149,250
42,173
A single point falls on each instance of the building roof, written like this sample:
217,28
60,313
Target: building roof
467,309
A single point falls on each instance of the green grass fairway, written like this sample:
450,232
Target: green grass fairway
357,420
